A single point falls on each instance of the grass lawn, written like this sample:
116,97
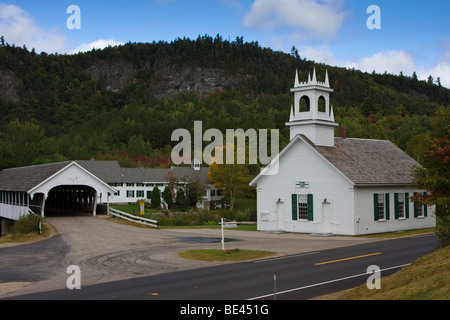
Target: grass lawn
428,278
18,238
225,255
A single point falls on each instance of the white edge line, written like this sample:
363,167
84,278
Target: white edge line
326,282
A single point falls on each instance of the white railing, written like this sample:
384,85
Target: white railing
13,212
133,218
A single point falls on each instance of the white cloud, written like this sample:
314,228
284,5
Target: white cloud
18,27
390,61
441,71
98,44
321,18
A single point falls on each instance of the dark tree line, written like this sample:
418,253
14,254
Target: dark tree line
63,113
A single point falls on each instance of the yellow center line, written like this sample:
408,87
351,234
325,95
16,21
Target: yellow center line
351,258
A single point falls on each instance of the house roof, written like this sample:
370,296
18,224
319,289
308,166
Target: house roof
111,172
363,161
23,179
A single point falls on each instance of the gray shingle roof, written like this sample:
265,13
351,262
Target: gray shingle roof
24,179
107,171
110,172
366,161
202,174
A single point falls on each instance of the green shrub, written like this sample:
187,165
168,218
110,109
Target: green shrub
242,216
28,224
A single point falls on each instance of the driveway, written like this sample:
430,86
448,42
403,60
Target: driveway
106,251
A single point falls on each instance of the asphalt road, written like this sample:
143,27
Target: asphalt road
301,276
121,262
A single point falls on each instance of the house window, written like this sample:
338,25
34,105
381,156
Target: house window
140,185
381,206
419,210
130,193
140,193
130,184
116,184
401,205
381,215
302,207
213,193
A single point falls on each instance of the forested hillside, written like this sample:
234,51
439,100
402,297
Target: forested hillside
124,102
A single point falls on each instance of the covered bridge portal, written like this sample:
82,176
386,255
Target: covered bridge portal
63,188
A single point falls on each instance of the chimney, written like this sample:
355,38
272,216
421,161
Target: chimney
169,178
342,132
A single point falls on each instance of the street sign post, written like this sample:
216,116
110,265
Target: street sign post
228,225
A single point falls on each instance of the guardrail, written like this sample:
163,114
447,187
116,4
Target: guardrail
133,218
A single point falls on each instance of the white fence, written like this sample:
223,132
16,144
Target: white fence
133,218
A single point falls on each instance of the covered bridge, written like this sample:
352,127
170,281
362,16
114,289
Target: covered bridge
63,187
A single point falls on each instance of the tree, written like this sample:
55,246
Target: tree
232,179
190,190
435,175
24,144
155,198
167,196
180,199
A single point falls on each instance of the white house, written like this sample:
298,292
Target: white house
134,184
336,185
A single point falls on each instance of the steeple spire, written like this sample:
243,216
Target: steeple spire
312,113
314,79
296,83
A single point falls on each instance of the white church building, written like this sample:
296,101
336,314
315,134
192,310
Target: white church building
336,185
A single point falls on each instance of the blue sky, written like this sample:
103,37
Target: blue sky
414,35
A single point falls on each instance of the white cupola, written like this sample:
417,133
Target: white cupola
312,114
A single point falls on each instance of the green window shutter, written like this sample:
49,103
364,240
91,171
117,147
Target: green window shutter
310,207
407,205
396,205
375,207
294,207
387,207
416,212
425,208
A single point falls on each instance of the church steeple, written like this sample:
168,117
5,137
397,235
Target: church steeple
312,114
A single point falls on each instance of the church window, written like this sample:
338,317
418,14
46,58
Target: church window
420,211
305,105
381,206
322,104
401,201
302,207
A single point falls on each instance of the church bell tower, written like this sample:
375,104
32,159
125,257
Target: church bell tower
312,114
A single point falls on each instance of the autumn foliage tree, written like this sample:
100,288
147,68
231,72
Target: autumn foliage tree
232,178
434,176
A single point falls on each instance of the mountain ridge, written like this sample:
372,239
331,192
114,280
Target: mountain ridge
125,101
